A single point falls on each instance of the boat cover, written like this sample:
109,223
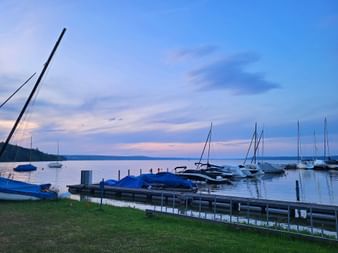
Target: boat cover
17,187
147,180
25,167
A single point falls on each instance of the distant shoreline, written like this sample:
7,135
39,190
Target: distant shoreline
107,157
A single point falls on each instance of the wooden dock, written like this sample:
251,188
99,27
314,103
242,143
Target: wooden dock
311,212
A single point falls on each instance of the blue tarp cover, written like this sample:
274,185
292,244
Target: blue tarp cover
25,167
17,187
146,180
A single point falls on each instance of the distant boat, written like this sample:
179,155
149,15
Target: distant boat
26,167
17,190
302,163
56,164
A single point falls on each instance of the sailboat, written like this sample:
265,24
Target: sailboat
252,170
331,163
267,167
28,166
16,190
319,164
205,172
302,163
56,164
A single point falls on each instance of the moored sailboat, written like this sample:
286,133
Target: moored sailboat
56,164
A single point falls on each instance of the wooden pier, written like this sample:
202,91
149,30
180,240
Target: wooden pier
314,216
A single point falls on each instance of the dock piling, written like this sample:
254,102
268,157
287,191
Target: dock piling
86,177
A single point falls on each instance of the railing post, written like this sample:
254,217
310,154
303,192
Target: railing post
336,225
248,212
161,201
230,210
311,221
267,214
173,202
215,208
288,218
199,210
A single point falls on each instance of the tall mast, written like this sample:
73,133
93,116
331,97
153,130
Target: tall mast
205,145
298,142
209,143
255,144
315,145
32,92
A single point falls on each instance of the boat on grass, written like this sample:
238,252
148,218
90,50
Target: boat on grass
16,190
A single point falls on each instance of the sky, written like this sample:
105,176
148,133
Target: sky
148,77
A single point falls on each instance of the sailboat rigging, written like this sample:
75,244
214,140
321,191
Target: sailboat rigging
17,190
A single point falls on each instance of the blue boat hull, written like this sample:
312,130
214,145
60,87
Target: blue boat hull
25,167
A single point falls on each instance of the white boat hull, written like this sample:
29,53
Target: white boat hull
271,168
55,165
12,196
308,165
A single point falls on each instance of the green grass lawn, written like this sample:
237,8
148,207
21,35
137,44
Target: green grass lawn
72,226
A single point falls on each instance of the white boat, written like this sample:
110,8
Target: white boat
55,164
236,171
271,168
302,163
305,164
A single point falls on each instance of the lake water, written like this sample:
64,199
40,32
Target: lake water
315,186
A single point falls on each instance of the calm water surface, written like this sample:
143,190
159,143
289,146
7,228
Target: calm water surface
316,186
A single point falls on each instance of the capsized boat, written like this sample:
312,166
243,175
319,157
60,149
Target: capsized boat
162,180
16,190
25,168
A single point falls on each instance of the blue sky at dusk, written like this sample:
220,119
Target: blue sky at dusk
148,77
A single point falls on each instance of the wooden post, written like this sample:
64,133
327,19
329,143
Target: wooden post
86,177
101,192
128,172
119,175
297,190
